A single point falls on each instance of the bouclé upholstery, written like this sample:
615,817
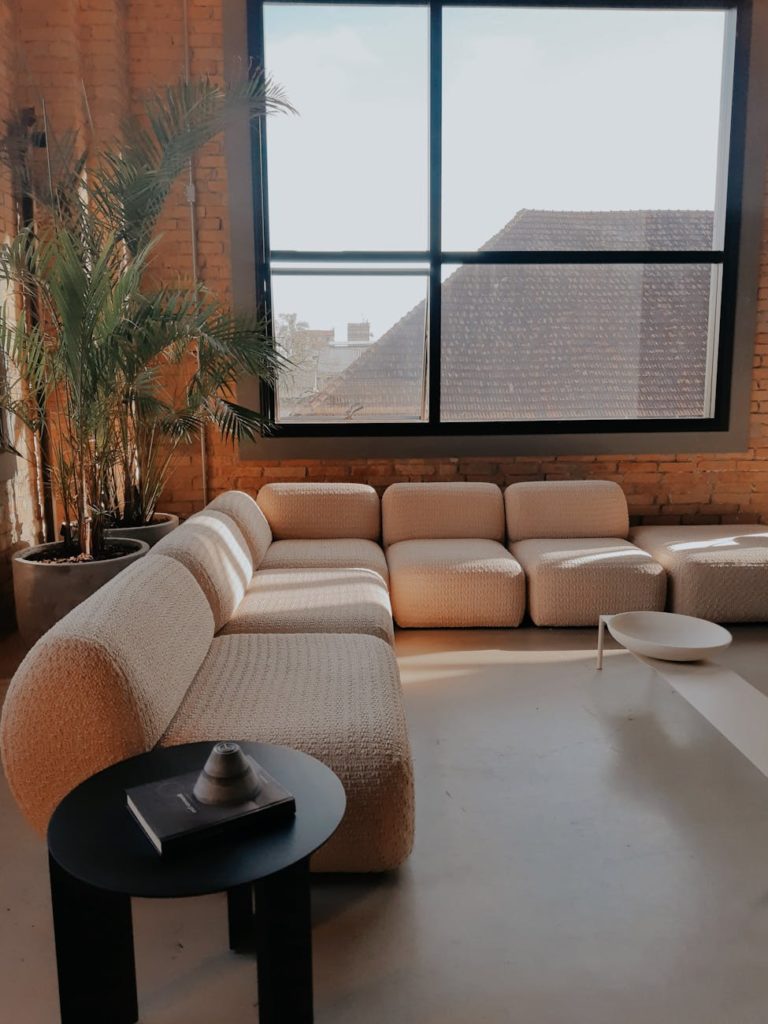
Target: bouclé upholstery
317,511
104,684
421,511
715,572
314,601
455,583
214,550
348,553
574,582
249,518
304,659
565,509
334,697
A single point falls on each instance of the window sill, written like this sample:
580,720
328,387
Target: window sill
493,445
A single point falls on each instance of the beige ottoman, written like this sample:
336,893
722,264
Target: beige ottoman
574,582
715,572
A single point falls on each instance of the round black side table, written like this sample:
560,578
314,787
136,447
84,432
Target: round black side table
99,858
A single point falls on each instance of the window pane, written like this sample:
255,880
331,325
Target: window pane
576,342
355,342
552,115
350,172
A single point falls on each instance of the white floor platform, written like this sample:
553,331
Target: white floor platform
590,850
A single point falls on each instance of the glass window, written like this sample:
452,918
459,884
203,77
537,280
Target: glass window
567,342
488,217
565,111
350,171
357,344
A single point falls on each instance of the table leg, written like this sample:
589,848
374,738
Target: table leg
94,952
600,640
284,930
240,918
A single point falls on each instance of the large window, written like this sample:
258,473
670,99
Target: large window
499,219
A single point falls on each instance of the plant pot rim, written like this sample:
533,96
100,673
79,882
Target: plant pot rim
158,519
140,546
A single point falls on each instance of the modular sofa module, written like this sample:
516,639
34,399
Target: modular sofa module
448,566
570,537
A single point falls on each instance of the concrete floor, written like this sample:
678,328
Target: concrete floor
589,851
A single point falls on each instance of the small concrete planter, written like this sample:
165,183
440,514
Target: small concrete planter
162,523
45,591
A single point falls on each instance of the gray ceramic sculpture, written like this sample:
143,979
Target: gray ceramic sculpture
229,776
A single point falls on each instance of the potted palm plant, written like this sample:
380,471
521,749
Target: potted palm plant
182,357
110,367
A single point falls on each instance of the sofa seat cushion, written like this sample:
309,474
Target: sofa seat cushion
353,553
314,601
715,572
337,698
573,582
444,583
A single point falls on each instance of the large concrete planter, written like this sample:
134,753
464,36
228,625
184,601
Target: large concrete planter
45,592
162,523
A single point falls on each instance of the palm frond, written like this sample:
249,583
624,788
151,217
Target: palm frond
235,422
133,181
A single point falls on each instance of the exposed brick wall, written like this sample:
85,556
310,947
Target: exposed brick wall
19,520
660,488
112,50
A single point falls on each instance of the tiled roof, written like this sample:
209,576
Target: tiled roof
556,340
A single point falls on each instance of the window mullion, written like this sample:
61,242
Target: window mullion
435,203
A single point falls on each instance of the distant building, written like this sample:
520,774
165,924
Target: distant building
562,341
303,345
312,339
359,334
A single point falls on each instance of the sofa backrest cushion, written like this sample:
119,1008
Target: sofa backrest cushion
321,511
214,550
250,520
440,511
104,683
565,508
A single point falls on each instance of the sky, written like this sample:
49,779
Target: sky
543,109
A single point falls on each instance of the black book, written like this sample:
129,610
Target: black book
174,820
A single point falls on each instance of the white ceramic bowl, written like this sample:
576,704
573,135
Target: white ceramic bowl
667,636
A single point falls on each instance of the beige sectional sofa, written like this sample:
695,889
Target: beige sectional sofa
272,622
185,646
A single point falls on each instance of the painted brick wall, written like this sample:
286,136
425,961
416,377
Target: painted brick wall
110,51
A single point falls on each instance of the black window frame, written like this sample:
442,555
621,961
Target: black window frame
435,257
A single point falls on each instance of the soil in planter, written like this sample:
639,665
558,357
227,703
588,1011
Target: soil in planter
115,550
121,524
